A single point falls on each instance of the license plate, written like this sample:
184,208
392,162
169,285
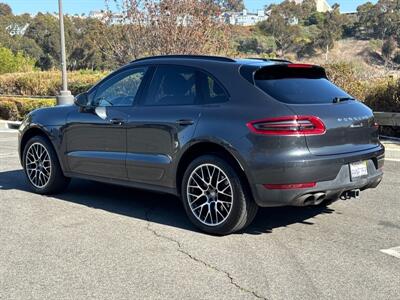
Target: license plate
358,170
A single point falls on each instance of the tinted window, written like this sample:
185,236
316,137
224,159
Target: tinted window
173,85
120,90
298,86
213,91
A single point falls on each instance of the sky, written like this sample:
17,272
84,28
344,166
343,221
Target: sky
85,6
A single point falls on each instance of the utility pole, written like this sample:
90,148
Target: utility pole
65,96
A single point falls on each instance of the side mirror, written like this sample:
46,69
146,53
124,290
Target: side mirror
81,100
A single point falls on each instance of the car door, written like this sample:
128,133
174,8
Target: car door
96,137
163,122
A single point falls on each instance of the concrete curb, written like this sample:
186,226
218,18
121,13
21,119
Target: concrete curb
9,125
390,139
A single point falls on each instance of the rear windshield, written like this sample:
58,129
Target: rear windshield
298,85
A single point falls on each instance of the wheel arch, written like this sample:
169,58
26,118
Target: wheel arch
210,147
35,131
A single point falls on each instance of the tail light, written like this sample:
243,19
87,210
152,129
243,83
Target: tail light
290,125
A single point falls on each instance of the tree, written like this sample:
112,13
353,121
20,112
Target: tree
388,48
283,25
308,41
39,39
5,10
316,18
26,46
44,30
379,21
330,30
231,5
45,62
308,7
164,27
86,54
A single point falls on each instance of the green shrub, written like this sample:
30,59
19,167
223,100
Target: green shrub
78,87
344,75
396,57
380,94
10,62
9,111
384,96
375,45
256,45
46,83
15,109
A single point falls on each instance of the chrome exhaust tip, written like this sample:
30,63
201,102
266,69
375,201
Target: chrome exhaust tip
311,199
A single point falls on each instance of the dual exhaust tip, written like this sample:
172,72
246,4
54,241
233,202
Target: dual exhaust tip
311,199
318,198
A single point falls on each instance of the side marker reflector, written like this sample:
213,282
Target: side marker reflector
291,186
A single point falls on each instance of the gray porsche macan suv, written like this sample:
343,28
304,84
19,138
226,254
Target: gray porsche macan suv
226,135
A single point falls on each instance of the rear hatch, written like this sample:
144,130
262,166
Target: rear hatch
305,89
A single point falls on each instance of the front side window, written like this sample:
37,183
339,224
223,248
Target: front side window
173,86
120,90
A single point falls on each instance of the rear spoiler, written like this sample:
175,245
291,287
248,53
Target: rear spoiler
280,71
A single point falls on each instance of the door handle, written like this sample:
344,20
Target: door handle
117,121
185,122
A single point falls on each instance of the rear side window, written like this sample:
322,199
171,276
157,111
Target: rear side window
173,86
212,91
298,85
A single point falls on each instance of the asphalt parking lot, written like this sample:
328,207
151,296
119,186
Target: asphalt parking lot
105,242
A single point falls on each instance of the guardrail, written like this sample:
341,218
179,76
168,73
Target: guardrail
387,118
27,97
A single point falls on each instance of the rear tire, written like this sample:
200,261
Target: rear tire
42,168
215,198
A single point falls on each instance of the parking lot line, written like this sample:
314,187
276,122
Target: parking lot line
395,251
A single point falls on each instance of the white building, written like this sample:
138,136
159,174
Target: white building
245,18
322,5
99,15
16,29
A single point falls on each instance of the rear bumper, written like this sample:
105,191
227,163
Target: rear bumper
329,189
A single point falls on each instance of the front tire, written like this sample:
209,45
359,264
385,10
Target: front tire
42,168
215,198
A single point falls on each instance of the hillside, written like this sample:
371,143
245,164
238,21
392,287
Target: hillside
362,53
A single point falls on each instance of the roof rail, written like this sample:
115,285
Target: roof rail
206,57
271,59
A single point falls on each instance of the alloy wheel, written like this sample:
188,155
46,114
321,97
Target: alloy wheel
38,165
210,194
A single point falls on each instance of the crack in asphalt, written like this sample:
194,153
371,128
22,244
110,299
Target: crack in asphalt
198,260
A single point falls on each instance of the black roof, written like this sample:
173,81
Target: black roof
205,57
242,61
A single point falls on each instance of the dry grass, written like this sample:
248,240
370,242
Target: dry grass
366,60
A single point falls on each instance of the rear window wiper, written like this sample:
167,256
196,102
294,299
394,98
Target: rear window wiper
342,99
